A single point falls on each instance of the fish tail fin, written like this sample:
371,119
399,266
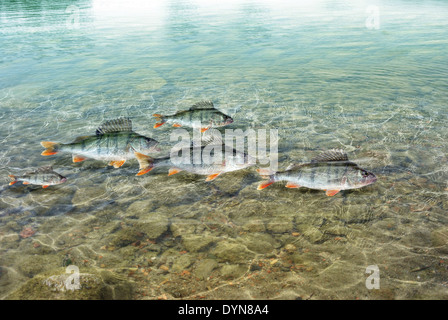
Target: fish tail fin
146,163
51,148
13,178
265,184
159,118
266,174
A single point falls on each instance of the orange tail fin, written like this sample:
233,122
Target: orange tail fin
264,184
146,163
265,174
51,148
13,178
158,124
159,118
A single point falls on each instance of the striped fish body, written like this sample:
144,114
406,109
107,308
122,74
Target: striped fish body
44,176
196,168
114,141
201,168
323,176
331,171
203,115
206,117
211,168
110,146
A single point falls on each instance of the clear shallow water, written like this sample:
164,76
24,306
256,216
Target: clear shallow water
312,70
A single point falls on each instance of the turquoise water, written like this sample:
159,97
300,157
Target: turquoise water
313,70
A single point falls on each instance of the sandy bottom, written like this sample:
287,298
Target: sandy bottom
179,237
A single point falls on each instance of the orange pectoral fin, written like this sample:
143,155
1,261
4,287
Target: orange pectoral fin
173,171
292,185
48,153
264,185
143,171
176,125
45,186
157,115
77,158
331,193
158,124
117,164
25,182
204,129
51,148
212,177
13,178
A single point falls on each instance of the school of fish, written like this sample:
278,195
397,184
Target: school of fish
116,142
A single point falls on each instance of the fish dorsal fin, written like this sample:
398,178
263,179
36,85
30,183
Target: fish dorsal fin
115,125
331,155
202,105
